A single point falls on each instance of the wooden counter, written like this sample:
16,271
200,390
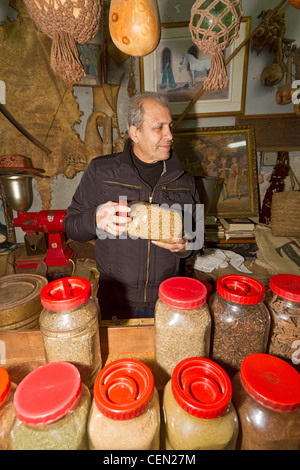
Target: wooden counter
22,351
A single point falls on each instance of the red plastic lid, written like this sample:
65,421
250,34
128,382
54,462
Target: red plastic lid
286,285
201,387
123,389
4,385
47,393
65,293
183,292
271,381
241,289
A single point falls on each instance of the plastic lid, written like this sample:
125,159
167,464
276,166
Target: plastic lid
201,387
182,292
271,381
286,285
64,293
4,385
241,289
123,389
47,393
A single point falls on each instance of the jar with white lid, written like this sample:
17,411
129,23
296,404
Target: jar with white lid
51,406
125,411
182,325
197,408
266,396
7,413
240,320
69,324
283,302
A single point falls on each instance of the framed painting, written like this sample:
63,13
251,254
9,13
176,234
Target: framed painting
229,155
178,69
88,54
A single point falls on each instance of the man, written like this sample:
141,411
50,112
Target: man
131,270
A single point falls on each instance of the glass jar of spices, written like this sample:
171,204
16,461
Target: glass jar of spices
283,302
7,413
125,411
240,321
197,408
69,324
182,325
51,406
266,396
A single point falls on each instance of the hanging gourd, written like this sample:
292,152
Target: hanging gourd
134,26
67,23
295,3
214,25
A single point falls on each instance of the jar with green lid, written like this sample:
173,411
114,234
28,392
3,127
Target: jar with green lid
69,324
7,413
51,406
182,325
266,396
197,408
240,321
283,302
125,411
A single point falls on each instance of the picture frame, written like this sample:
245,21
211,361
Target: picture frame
181,83
88,54
229,155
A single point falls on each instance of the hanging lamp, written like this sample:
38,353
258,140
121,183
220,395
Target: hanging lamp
214,25
67,23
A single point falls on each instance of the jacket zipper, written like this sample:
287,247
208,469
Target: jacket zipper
148,255
123,184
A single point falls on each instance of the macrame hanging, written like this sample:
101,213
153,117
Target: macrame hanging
67,23
214,24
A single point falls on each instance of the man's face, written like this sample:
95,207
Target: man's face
152,143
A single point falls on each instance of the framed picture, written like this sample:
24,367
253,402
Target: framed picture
178,69
229,155
88,54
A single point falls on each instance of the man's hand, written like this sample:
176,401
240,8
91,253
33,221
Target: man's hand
179,245
113,217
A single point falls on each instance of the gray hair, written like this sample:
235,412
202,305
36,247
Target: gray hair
135,112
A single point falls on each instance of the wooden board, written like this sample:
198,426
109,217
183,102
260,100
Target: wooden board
23,351
273,132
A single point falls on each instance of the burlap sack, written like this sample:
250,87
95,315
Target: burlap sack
285,214
279,255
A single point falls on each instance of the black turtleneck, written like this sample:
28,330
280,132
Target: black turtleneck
149,172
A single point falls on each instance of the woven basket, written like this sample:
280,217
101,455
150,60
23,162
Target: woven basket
285,214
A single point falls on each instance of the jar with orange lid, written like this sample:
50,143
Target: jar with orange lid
69,324
182,325
7,413
51,406
197,408
266,396
125,411
283,302
240,321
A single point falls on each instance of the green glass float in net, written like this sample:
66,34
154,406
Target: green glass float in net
214,25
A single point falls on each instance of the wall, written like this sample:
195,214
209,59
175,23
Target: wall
259,99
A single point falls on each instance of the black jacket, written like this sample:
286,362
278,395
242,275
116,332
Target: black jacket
131,270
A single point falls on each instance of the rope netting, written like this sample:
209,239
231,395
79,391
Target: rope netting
67,23
214,25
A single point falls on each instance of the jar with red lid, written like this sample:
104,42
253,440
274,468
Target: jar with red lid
240,321
266,396
7,413
125,412
69,324
182,325
283,302
197,408
51,406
